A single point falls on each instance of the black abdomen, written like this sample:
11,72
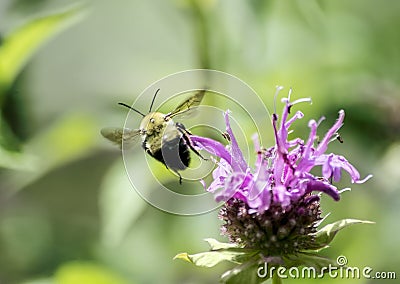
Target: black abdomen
174,154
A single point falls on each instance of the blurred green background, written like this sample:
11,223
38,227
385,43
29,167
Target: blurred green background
67,211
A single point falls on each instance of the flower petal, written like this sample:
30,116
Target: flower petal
282,173
323,186
325,141
332,164
232,185
238,160
281,195
214,148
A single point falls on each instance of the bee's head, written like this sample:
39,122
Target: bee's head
154,121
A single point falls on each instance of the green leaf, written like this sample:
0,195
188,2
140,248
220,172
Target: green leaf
16,160
308,260
244,273
324,236
15,51
8,140
216,245
39,281
69,138
212,258
219,252
19,46
88,273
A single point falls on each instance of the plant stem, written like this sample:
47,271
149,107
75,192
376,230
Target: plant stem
276,279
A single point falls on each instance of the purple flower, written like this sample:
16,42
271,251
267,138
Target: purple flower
281,175
272,211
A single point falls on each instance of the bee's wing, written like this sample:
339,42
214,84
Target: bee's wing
121,135
190,103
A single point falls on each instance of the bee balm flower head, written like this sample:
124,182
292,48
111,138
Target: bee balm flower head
274,205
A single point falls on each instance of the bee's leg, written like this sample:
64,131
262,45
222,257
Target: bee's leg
226,136
182,128
180,177
189,143
185,134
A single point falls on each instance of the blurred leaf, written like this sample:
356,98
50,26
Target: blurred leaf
15,51
86,273
243,273
8,140
67,139
39,281
21,44
325,235
16,160
120,205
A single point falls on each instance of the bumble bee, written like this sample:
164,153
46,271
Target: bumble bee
162,138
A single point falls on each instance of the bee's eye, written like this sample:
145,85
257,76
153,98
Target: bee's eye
152,120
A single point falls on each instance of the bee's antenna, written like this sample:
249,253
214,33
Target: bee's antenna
125,105
152,102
